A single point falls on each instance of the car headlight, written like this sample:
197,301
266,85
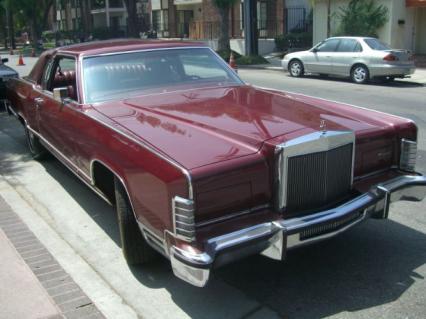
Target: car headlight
408,155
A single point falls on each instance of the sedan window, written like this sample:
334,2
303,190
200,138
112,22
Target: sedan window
328,46
349,45
377,45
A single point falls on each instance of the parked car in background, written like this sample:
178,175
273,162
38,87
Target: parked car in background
6,73
359,58
202,167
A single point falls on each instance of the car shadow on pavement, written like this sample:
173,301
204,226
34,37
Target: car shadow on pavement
395,84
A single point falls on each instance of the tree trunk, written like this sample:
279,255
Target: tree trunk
224,29
132,18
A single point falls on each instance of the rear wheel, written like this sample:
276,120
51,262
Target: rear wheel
360,74
135,248
38,152
296,68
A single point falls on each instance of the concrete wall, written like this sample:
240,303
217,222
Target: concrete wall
420,41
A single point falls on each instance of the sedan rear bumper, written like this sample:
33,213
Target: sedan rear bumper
272,239
391,70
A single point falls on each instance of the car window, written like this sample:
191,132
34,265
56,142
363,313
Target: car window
349,45
328,46
119,75
46,73
376,44
63,76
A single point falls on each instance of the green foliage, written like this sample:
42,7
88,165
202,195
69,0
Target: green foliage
224,3
362,18
299,40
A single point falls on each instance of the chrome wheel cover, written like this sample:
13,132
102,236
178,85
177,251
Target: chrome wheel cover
360,74
295,68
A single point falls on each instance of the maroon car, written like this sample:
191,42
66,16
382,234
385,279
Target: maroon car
202,167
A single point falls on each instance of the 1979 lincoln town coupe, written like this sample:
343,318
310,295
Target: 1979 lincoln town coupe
202,167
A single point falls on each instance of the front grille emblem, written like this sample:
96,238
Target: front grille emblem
323,126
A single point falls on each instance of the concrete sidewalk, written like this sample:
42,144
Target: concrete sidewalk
418,77
32,283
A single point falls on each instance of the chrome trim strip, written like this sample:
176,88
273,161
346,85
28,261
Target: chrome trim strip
232,215
308,144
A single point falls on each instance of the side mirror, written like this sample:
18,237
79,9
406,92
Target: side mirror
4,60
60,94
314,50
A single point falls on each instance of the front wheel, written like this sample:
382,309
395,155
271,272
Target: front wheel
134,246
296,68
360,74
38,152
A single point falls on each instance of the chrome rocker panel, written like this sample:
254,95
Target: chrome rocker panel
272,239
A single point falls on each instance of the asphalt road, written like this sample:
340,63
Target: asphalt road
375,270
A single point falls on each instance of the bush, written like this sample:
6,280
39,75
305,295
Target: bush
251,59
362,18
293,40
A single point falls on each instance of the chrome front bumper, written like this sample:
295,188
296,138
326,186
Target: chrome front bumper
272,239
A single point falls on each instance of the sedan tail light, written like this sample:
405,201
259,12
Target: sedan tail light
390,57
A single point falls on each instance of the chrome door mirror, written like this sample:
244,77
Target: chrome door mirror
60,94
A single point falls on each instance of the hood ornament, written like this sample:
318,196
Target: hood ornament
323,126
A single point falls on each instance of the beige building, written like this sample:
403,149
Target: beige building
405,29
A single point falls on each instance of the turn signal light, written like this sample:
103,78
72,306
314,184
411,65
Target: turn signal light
390,57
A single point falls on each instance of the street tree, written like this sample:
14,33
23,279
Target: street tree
134,23
33,15
224,7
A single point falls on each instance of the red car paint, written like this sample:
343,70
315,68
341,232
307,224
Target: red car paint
224,137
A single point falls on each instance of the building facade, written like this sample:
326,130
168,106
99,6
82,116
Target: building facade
405,29
199,19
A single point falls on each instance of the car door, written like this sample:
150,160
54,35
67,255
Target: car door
322,57
55,117
347,53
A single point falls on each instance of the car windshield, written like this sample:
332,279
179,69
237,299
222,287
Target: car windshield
377,45
122,75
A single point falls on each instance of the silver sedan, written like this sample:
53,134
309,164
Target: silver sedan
360,58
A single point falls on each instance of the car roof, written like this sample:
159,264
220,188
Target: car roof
351,37
123,45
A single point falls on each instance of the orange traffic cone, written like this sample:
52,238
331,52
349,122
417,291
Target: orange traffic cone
21,60
32,53
232,62
11,51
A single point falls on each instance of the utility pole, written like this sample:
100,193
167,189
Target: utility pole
250,27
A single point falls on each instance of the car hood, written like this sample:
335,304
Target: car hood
202,126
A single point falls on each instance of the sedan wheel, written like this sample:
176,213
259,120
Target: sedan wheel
360,74
296,69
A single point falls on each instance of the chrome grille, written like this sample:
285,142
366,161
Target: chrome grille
317,179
